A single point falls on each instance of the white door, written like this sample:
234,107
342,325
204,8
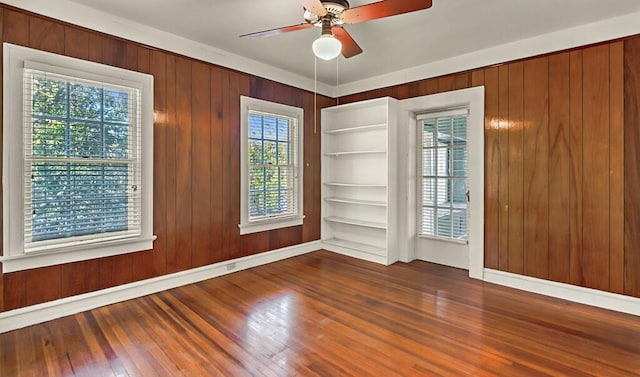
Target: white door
444,220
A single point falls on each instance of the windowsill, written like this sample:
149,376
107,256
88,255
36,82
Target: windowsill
269,224
74,254
444,239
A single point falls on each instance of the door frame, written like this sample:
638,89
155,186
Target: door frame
473,98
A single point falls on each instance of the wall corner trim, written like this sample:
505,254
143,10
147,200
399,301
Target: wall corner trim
31,315
588,296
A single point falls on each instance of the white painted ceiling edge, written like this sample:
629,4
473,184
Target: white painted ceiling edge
91,18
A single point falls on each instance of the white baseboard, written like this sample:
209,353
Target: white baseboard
593,297
354,253
31,315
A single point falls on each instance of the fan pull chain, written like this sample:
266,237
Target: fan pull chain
315,94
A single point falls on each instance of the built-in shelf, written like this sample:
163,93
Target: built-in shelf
347,153
344,220
370,127
355,201
356,246
344,184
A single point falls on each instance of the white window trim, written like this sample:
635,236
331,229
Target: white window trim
14,258
252,104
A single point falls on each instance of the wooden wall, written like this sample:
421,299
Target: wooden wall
196,163
562,163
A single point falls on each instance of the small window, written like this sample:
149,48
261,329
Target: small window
271,178
79,175
443,167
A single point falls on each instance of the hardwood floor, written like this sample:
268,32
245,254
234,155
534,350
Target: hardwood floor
323,314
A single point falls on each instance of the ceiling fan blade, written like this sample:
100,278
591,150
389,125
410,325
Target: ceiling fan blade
279,30
349,46
314,6
383,9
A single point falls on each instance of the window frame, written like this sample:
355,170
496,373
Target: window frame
16,59
420,119
247,226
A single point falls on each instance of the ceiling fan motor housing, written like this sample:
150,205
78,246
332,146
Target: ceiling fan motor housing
334,10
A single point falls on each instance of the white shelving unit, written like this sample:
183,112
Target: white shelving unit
359,175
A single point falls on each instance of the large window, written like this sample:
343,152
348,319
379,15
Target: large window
74,148
271,175
443,188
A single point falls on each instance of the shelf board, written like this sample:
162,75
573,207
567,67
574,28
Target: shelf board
369,127
356,246
346,153
344,220
359,202
344,184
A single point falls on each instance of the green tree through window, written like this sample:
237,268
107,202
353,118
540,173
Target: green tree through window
79,158
271,165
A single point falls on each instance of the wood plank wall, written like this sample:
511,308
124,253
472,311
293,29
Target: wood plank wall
196,163
562,170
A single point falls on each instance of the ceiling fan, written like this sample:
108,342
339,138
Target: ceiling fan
331,15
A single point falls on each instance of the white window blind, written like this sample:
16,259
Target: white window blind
271,152
82,160
443,167
272,156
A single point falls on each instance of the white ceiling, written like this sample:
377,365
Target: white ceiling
448,29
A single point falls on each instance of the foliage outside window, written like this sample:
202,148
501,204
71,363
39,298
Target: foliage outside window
271,194
80,176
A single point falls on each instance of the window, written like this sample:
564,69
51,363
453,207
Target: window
78,149
271,178
443,191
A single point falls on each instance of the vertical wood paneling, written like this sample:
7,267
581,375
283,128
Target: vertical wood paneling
462,80
423,87
446,83
631,167
536,167
43,284
46,35
503,167
201,165
170,170
516,178
16,27
158,68
491,167
73,279
184,156
477,77
76,43
616,167
575,179
559,167
15,290
596,166
218,179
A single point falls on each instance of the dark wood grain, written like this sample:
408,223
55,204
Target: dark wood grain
536,167
596,159
16,27
217,164
1,154
575,179
616,167
46,35
326,314
503,167
491,167
631,167
201,166
446,83
76,43
184,158
43,284
170,169
559,167
516,162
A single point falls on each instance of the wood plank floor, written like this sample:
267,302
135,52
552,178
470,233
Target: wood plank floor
323,314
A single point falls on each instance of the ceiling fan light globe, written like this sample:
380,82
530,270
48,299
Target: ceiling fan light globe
327,47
